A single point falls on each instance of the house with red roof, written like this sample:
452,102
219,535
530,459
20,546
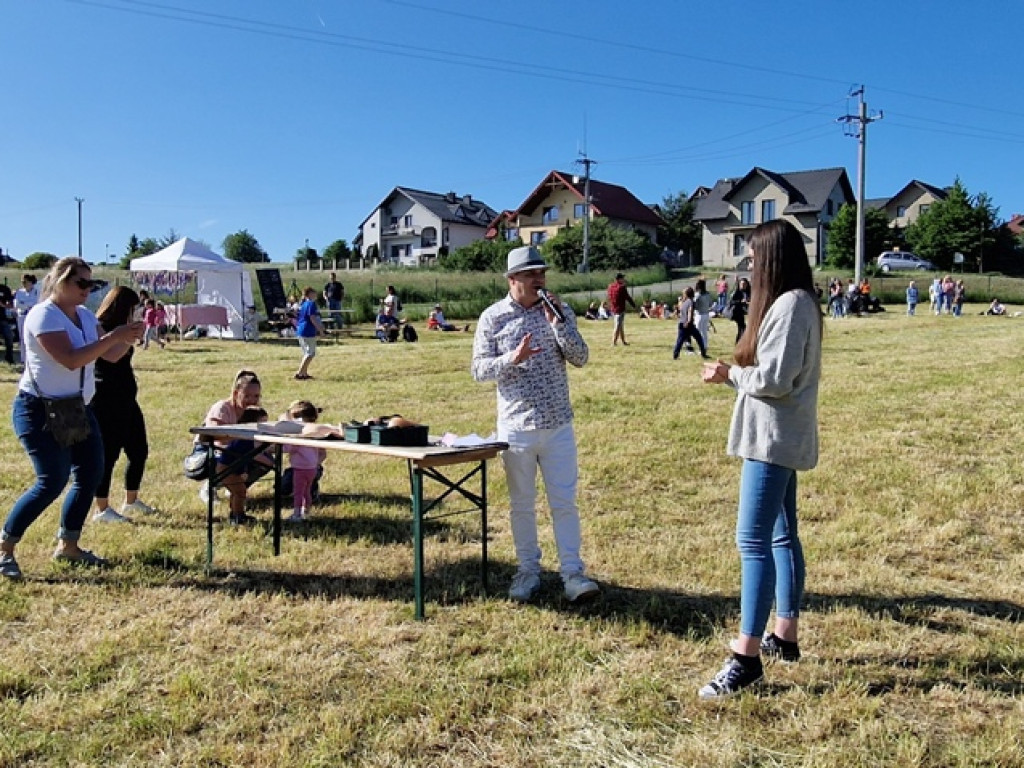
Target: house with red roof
558,202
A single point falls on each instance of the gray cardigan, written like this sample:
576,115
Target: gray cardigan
775,418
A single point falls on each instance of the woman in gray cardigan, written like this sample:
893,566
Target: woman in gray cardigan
775,431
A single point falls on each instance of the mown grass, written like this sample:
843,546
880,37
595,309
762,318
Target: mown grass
912,526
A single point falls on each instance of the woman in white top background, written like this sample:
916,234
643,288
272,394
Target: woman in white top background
62,340
25,298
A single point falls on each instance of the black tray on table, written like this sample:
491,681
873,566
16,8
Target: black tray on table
404,436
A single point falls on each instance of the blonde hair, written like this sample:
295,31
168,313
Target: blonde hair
61,272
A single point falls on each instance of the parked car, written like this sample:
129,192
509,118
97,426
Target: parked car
899,261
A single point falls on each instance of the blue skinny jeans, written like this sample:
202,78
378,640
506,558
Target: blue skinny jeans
771,557
54,465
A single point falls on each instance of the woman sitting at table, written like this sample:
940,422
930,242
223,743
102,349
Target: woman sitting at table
245,393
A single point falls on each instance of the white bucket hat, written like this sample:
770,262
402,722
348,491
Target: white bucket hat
523,259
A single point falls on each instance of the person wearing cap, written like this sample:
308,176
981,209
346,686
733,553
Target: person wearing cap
523,344
436,321
618,297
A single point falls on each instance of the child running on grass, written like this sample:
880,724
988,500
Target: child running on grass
304,461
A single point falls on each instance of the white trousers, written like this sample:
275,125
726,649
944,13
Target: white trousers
554,451
703,321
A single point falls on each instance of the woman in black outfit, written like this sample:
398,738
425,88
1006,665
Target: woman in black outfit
118,413
739,302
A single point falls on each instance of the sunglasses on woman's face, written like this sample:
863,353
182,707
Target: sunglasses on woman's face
84,283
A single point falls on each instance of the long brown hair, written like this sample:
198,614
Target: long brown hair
116,307
779,265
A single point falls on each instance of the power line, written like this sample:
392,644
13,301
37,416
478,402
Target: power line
542,71
566,34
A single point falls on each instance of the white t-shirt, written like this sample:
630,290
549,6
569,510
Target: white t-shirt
52,378
24,299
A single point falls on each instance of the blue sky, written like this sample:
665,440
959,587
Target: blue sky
294,118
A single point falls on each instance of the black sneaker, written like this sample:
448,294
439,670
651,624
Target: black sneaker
241,519
731,679
775,647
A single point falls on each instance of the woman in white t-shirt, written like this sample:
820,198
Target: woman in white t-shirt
25,298
62,342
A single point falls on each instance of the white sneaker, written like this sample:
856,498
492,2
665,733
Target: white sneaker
109,516
579,587
524,586
137,506
204,492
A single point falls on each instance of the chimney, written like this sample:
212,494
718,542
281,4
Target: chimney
467,200
450,197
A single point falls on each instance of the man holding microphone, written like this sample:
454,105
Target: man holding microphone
523,342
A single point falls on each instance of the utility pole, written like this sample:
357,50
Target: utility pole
79,200
586,162
861,134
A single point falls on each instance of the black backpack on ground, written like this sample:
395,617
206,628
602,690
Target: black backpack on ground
409,333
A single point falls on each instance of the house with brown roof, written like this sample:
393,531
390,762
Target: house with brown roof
558,202
907,205
734,207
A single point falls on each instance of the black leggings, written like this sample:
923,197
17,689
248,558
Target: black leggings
123,429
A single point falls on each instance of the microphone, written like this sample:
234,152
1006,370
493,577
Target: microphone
556,309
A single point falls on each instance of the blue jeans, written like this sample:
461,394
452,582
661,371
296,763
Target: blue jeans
54,465
771,556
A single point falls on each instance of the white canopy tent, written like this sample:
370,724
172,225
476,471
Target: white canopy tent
219,281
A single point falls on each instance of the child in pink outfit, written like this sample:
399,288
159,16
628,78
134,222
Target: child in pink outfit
304,461
153,317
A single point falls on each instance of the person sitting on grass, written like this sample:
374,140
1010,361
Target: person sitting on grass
436,321
387,326
995,308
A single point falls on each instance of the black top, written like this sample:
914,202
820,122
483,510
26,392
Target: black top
6,304
115,382
739,302
334,290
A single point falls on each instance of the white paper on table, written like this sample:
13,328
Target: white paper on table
451,440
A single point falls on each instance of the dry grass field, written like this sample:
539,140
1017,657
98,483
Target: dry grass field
913,633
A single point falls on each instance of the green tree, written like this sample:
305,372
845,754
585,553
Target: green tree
244,247
137,248
39,260
337,252
611,247
842,236
958,224
479,256
308,255
681,232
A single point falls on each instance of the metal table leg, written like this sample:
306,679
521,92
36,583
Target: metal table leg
416,477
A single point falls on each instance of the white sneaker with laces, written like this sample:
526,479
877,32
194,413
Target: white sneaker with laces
578,587
109,516
524,586
137,506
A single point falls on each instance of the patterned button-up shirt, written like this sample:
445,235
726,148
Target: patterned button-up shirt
535,393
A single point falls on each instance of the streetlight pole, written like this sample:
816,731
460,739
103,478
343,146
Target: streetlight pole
79,200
